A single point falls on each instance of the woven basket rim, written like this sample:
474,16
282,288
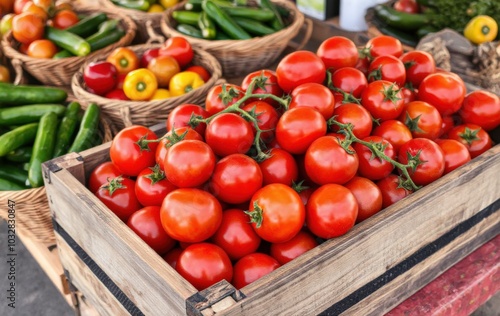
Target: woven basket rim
134,14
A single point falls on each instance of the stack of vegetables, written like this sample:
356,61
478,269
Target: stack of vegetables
150,6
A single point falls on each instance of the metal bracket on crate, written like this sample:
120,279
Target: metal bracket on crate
221,291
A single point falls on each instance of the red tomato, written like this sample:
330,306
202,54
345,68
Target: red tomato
394,132
280,167
384,45
152,186
350,80
204,264
130,152
204,74
117,94
372,167
408,6
267,118
419,64
179,48
120,81
253,267
392,190
422,119
100,77
287,251
180,115
368,196
482,108
189,163
298,68
448,124
355,114
119,196
190,215
313,95
444,91
228,134
473,137
277,213
221,96
409,95
147,56
236,235
327,162
298,128
387,68
305,194
172,137
101,174
266,82
383,99
172,256
455,154
338,52
235,179
331,211
146,224
426,156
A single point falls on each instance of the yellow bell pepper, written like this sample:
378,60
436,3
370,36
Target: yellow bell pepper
184,82
481,29
140,84
161,94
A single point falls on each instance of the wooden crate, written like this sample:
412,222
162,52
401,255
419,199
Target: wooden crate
368,271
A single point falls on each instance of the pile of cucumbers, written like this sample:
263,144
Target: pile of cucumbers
36,126
229,19
91,33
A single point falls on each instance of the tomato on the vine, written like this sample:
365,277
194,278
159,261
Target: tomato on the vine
171,138
387,68
473,137
181,114
371,167
267,118
280,167
338,52
101,174
383,99
221,96
392,190
368,196
482,108
252,267
455,154
298,68
266,83
350,80
355,114
152,186
395,132
426,157
422,119
119,196
287,251
313,95
229,133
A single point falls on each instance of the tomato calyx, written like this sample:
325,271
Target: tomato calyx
299,186
408,64
376,74
113,185
404,184
157,174
256,215
143,143
414,160
391,93
174,138
364,52
412,123
346,96
470,135
227,95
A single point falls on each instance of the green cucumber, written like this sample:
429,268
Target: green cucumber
221,35
106,39
193,5
69,41
67,129
401,21
88,25
207,26
43,148
224,21
189,30
7,185
20,95
258,14
186,17
62,54
104,28
87,132
24,114
141,5
13,173
18,137
254,27
277,22
21,154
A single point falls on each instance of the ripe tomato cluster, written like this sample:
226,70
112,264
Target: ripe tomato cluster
267,170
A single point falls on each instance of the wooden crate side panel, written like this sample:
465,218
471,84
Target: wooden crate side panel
305,284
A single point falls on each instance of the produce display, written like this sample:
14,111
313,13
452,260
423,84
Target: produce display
268,169
36,126
4,73
150,6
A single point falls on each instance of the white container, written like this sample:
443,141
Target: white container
352,14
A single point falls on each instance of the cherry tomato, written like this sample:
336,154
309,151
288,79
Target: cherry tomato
101,174
146,224
392,190
190,215
172,256
204,74
172,137
119,196
221,96
235,234
455,154
383,100
130,152
204,264
179,48
180,115
422,119
408,6
313,95
298,68
287,251
387,68
266,82
338,52
267,117
444,91
147,56
252,267
100,77
395,132
277,213
350,80
372,167
473,137
355,114
64,19
280,167
419,64
298,128
482,108
152,186
27,27
428,158
368,196
331,211
384,45
228,134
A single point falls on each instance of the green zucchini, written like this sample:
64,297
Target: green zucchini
221,35
18,137
13,173
69,41
224,21
7,185
43,148
189,30
21,154
254,27
103,29
277,23
141,5
186,17
67,129
400,20
106,39
20,95
258,14
88,25
193,5
87,132
24,114
207,26
62,54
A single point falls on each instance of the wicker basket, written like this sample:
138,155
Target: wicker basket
239,57
58,72
147,113
32,214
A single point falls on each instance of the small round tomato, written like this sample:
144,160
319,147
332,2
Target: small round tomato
179,48
35,9
408,6
277,213
298,68
395,132
387,68
27,27
350,80
235,234
181,114
313,95
101,174
287,251
146,224
368,196
252,267
372,167
338,52
422,119
164,68
266,82
204,74
204,264
119,196
384,45
64,19
228,134
131,150
267,118
473,137
172,256
331,211
419,64
152,186
42,49
147,56
280,167
455,154
355,114
221,96
426,157
482,108
392,190
298,128
19,5
189,163
444,91
190,215
171,138
383,99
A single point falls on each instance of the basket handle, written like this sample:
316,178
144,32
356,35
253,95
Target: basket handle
18,69
125,114
308,23
153,37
